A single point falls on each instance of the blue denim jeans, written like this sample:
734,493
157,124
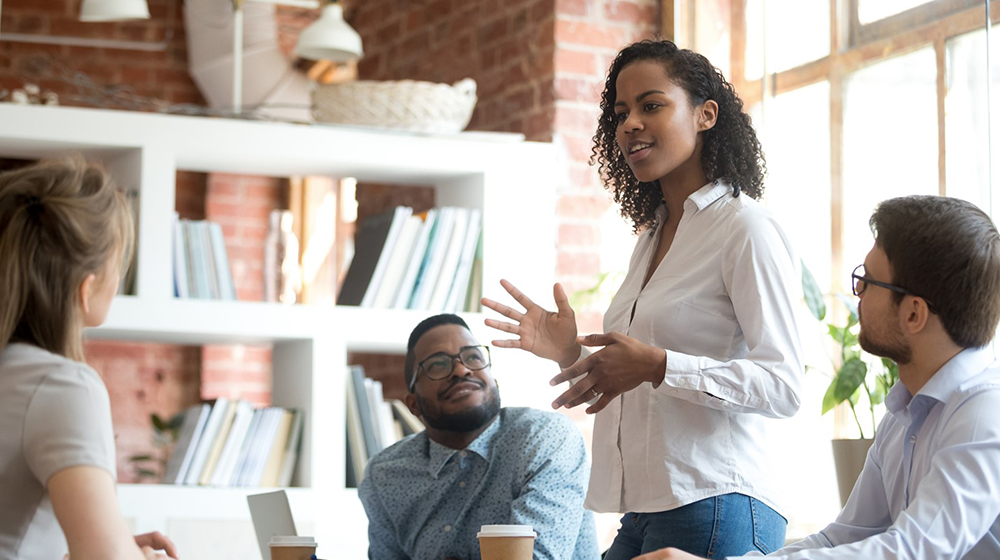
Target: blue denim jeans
727,525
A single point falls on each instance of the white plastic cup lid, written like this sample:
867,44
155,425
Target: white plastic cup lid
505,531
293,541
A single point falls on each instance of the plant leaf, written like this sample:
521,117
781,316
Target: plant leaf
812,293
159,424
892,371
176,421
852,307
845,384
140,458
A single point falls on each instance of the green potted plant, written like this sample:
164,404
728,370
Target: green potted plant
855,375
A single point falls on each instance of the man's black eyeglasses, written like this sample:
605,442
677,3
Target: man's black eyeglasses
859,283
439,366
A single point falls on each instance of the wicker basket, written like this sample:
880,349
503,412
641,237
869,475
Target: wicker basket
404,104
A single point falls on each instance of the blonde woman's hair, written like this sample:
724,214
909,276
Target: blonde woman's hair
60,221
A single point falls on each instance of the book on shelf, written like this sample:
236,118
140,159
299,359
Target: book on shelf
272,462
398,261
242,417
421,261
433,259
180,458
181,282
368,430
369,241
292,450
415,260
449,260
201,263
463,273
206,440
399,217
357,456
407,420
373,423
257,459
474,292
229,443
219,441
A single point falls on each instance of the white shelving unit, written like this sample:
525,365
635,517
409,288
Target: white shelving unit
513,182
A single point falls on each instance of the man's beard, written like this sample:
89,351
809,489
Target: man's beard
895,348
463,421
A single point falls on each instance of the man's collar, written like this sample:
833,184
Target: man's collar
963,366
440,454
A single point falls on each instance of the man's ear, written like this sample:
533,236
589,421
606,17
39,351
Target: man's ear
86,290
410,400
913,314
708,114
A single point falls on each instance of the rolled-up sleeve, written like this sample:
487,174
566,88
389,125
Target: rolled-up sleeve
762,281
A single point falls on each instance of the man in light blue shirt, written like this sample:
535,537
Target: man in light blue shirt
930,300
475,464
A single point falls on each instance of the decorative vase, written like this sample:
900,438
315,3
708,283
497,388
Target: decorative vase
849,458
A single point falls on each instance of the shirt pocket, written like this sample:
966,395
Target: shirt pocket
701,332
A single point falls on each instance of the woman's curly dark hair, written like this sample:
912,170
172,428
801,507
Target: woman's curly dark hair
730,149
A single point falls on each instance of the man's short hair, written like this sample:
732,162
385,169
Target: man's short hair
419,331
947,251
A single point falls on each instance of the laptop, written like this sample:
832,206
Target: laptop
272,516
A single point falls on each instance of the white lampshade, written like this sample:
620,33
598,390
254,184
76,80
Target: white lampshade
330,38
113,10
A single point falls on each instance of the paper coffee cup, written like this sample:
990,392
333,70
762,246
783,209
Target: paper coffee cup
292,548
506,542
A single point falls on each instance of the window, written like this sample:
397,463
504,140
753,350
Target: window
854,101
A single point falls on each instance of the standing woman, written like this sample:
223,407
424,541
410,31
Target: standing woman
64,230
700,341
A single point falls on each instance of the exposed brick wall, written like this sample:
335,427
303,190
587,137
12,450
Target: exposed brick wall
236,372
387,368
162,75
507,47
241,204
144,379
540,67
588,35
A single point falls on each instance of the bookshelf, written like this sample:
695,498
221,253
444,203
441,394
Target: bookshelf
511,181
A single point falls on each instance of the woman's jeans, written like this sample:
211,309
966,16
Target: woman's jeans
727,525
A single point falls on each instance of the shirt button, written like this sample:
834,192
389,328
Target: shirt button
913,438
461,484
463,454
447,528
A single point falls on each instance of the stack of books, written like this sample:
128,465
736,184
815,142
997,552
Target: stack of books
201,265
372,423
231,444
430,261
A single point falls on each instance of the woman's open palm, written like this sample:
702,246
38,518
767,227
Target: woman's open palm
546,334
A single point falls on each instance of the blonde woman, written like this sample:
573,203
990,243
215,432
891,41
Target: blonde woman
64,229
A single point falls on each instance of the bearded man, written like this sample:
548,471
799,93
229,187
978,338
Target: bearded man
929,294
475,464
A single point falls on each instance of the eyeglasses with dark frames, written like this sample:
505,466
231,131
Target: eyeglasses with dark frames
440,365
859,283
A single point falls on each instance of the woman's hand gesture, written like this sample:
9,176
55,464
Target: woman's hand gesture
539,331
620,366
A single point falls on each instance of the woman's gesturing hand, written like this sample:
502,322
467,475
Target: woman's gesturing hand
620,366
539,331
